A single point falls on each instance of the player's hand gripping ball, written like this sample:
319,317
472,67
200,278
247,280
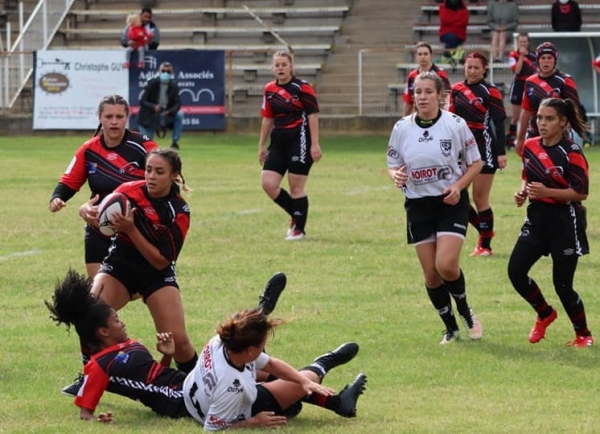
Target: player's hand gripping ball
114,203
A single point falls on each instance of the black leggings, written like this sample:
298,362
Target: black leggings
525,255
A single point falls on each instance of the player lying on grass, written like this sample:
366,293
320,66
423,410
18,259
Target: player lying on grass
126,367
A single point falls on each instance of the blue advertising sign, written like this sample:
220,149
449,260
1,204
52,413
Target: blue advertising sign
200,75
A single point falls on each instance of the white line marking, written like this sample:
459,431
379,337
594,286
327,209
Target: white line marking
17,254
242,213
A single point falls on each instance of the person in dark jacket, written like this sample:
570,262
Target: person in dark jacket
566,16
160,106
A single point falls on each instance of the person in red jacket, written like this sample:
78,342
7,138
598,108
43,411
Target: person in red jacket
137,37
596,64
454,18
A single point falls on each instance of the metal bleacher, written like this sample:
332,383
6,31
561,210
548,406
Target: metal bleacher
534,16
311,29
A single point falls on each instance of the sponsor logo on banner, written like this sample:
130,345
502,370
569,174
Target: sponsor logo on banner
200,75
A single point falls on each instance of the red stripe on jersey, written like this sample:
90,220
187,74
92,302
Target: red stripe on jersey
477,103
163,222
529,64
562,166
287,104
558,85
408,96
106,168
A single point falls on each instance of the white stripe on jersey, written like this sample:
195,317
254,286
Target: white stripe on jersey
220,391
436,157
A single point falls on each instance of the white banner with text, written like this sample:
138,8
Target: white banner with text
69,84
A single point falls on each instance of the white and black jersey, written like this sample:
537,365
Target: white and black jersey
436,156
216,393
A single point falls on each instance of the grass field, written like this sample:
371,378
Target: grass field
353,278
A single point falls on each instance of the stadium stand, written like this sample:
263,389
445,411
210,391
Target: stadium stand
311,27
534,17
277,14
423,30
200,35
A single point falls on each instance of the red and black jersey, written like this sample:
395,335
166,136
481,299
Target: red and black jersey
289,104
481,106
561,166
408,96
558,85
128,369
164,222
529,64
105,168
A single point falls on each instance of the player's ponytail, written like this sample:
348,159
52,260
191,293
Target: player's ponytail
98,129
567,108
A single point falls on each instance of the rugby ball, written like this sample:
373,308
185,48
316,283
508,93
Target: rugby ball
114,203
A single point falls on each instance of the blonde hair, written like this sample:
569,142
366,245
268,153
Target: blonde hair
131,18
284,53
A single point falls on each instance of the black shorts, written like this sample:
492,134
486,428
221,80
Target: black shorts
430,216
139,281
489,158
96,245
559,230
289,151
265,401
516,92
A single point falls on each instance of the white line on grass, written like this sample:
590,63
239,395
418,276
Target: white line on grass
242,213
17,254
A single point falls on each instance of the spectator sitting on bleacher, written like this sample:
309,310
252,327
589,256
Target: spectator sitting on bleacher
137,38
424,55
151,29
503,17
454,18
566,16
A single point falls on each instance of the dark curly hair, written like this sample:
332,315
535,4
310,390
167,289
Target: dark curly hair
74,305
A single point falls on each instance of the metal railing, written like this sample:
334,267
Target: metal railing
34,34
382,75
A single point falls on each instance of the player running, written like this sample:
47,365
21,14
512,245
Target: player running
433,157
556,181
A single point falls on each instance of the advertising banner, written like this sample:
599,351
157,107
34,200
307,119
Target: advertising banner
69,84
200,75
